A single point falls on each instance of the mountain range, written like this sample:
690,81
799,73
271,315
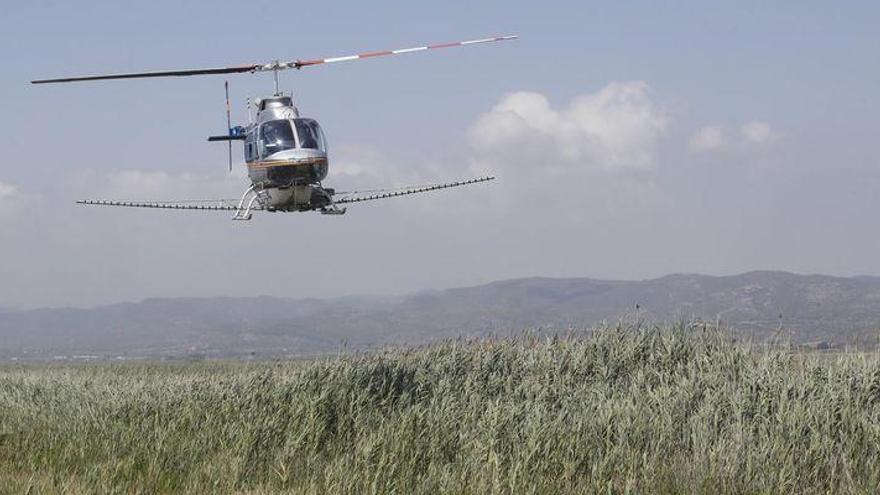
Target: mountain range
817,309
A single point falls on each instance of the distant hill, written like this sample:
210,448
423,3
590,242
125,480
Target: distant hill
811,308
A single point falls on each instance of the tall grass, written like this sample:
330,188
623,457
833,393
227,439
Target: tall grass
623,409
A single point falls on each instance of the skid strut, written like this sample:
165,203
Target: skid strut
332,208
252,196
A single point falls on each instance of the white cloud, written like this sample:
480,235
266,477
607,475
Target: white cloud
15,203
7,190
756,132
708,138
591,161
613,130
159,185
360,165
714,138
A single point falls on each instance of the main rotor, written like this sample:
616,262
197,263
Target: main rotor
274,67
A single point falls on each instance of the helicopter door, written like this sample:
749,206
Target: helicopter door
250,147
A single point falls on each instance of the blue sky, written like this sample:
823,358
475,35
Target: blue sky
670,137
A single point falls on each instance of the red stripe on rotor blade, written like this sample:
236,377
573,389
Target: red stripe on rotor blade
445,45
375,54
309,62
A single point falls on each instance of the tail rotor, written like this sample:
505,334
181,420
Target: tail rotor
228,122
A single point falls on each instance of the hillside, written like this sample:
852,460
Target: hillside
811,307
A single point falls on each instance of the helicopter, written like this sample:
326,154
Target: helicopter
286,154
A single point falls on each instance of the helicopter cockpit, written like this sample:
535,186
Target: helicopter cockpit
287,134
309,134
275,136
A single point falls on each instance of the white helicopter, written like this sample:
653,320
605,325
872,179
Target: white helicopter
286,155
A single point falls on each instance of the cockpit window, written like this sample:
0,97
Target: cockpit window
276,135
310,135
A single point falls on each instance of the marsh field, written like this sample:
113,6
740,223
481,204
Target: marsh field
677,409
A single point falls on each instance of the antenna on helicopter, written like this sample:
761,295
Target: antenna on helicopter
228,122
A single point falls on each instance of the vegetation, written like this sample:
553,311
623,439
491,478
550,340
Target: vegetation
622,409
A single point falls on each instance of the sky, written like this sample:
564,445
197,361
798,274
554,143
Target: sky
630,140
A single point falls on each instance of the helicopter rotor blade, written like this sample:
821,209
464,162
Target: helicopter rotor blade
164,73
298,64
269,67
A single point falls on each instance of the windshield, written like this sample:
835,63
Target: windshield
276,135
310,135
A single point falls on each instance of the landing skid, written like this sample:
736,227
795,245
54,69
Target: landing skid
251,196
257,198
331,208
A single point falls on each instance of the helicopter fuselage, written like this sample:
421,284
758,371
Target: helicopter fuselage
286,157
